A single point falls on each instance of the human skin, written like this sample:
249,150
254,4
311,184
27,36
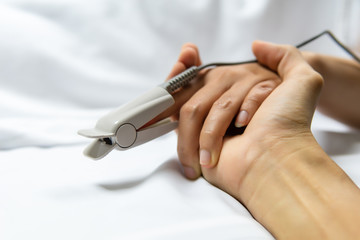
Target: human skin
276,168
209,117
340,96
207,106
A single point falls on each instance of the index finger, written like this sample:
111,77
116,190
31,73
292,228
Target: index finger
189,56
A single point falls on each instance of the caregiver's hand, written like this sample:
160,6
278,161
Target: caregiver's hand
210,103
277,169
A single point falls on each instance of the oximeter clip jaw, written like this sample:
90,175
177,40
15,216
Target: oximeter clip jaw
125,127
122,129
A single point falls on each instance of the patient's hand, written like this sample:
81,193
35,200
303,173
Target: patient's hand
281,122
277,169
207,107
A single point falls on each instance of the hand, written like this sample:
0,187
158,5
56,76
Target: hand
207,107
277,169
283,118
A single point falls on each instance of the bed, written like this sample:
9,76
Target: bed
65,63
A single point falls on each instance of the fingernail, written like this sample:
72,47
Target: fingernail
241,119
205,157
190,172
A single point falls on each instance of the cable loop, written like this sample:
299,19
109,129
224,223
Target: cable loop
185,77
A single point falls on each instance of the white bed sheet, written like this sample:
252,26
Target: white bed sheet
56,193
65,63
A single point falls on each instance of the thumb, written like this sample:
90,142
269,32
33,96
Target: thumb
301,84
286,60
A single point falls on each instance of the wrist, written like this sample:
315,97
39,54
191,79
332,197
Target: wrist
281,153
297,194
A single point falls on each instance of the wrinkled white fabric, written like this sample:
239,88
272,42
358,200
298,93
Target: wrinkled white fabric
62,59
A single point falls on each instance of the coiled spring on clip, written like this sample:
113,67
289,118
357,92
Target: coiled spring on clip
180,80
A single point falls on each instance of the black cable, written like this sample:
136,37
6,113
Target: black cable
218,64
331,35
185,77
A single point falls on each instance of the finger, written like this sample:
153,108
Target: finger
254,99
217,122
242,79
181,97
300,82
195,55
189,56
192,116
187,147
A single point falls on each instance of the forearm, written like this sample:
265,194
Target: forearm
341,92
300,193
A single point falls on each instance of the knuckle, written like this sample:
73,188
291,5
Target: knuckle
190,110
310,77
259,95
224,103
264,88
207,134
291,48
317,80
260,92
253,100
211,132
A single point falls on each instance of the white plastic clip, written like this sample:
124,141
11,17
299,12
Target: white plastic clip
122,128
